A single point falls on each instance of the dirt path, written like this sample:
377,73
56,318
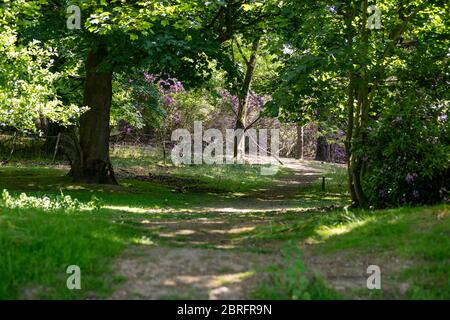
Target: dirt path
204,256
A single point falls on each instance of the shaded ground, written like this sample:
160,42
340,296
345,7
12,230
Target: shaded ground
225,249
188,273
346,272
219,243
204,254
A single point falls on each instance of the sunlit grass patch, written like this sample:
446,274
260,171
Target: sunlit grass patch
325,232
129,156
45,203
231,278
420,235
36,248
235,178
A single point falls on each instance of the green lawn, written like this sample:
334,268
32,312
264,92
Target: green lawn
36,246
416,239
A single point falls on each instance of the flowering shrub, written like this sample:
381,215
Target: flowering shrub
408,155
62,202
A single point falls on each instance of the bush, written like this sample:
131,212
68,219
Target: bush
408,154
62,202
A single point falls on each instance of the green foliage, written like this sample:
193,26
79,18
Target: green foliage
27,81
135,101
408,157
342,73
59,203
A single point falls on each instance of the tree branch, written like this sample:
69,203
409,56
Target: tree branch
241,52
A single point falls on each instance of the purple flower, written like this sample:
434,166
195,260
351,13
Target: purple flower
148,77
416,194
410,177
168,100
381,193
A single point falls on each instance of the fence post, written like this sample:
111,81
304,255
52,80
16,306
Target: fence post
13,145
56,147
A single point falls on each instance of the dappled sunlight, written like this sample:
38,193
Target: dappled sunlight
225,246
75,187
327,232
256,209
188,273
179,214
230,278
143,241
138,210
213,284
232,231
176,233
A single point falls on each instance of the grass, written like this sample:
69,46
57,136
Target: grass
289,280
418,238
36,246
236,178
419,235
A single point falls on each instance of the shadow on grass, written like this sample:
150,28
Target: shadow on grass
412,245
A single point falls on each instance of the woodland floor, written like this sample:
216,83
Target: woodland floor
203,258
217,233
206,254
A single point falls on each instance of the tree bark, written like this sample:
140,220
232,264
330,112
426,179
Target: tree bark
360,122
241,116
92,163
349,138
322,149
300,142
360,139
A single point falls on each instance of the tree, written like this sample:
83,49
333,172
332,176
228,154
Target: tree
117,36
341,67
27,78
246,36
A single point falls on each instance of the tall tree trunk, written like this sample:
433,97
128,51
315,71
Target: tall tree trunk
350,109
241,118
349,138
93,164
322,149
300,142
359,138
